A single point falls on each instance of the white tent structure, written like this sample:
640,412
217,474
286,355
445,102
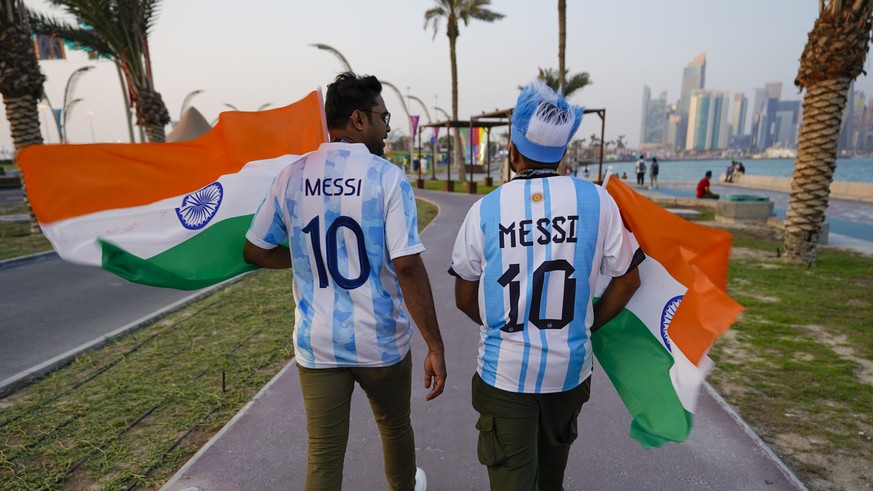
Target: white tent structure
190,127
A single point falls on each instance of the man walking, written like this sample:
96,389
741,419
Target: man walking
526,261
350,220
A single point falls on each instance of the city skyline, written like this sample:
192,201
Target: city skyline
244,58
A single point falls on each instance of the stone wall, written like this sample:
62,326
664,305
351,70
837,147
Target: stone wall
856,191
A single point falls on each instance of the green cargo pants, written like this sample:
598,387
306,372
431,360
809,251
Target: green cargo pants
525,439
327,395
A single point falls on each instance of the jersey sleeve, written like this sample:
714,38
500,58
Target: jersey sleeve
268,228
467,254
619,245
401,216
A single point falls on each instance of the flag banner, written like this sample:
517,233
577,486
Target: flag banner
413,119
168,214
48,47
654,351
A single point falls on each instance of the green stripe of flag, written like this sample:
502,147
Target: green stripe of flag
210,257
639,368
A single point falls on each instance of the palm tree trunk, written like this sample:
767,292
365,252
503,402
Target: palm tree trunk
23,119
562,42
456,132
823,107
151,113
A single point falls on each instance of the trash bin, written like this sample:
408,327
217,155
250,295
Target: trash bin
743,208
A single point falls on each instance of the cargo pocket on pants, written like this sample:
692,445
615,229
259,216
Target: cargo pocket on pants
489,448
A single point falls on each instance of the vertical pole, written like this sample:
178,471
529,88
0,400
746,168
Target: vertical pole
602,114
125,93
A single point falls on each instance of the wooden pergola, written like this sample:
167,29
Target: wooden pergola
487,120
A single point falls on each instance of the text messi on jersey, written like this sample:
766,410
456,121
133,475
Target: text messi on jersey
541,231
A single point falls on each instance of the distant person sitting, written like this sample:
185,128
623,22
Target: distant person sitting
729,173
703,187
741,169
585,172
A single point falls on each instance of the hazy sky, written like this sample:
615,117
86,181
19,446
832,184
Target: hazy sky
256,52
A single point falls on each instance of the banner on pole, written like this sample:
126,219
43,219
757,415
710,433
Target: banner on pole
413,118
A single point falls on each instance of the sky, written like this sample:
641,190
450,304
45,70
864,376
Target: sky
258,52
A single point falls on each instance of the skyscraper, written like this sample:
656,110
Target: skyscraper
764,115
707,120
738,114
654,118
693,78
647,95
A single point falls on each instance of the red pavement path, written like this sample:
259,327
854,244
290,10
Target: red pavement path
264,447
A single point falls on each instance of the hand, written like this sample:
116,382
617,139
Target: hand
434,373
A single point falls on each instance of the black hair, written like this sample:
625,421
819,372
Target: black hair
709,173
348,93
540,165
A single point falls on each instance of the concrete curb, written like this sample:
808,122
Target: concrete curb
22,260
750,432
26,377
194,458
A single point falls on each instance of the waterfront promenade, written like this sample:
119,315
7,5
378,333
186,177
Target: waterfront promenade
264,446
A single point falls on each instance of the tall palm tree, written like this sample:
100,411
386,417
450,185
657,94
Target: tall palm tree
562,41
574,83
834,56
454,11
118,29
21,82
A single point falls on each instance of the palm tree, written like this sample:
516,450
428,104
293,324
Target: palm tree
562,41
118,29
453,11
575,82
21,82
834,56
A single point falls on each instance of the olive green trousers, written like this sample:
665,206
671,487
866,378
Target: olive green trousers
525,439
327,396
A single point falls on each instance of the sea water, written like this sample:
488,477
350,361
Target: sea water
851,170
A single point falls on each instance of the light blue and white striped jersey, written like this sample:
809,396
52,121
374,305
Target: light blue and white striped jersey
536,246
345,214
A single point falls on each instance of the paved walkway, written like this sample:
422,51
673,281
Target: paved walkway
264,446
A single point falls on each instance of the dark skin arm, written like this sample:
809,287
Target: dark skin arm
278,257
615,297
467,298
415,285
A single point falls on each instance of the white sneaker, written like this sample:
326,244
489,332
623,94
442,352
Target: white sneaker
420,479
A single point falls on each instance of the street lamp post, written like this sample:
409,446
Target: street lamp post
90,114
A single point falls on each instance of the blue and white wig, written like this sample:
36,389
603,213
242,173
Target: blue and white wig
543,123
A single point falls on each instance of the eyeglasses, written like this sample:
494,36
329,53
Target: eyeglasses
386,116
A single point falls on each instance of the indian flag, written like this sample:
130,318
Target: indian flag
654,351
168,214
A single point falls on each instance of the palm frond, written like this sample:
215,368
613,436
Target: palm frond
347,67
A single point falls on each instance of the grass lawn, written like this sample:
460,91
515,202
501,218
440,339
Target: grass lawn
131,413
799,365
15,238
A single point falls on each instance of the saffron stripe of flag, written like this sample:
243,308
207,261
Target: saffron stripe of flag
654,351
168,214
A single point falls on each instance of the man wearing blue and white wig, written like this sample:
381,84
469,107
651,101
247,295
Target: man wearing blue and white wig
526,261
